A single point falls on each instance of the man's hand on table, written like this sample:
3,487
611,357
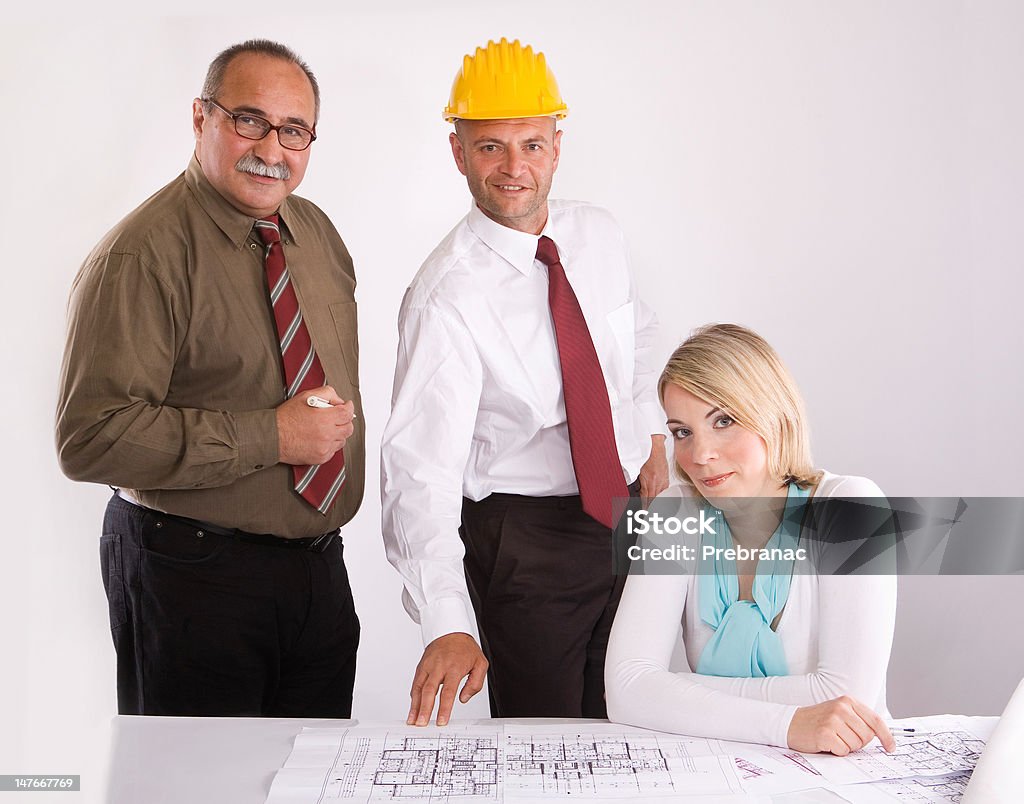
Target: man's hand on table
445,662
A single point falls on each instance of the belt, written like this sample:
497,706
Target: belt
561,502
314,544
551,501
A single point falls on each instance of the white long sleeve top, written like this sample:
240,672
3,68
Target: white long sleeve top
477,404
836,633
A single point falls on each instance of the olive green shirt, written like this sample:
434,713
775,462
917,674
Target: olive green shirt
172,368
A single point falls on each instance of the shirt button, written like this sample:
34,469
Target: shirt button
258,466
200,534
252,246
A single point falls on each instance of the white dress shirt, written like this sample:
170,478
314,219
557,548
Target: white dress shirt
477,404
836,633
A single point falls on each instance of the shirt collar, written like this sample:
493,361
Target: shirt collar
237,226
518,249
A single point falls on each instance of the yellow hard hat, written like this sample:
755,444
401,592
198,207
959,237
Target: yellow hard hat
504,81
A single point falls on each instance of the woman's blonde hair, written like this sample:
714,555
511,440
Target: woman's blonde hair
735,369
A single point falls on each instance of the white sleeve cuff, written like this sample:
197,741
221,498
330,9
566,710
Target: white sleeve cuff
782,725
450,615
653,418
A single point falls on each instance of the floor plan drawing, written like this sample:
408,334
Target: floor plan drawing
439,768
482,764
612,762
929,764
585,764
400,767
946,789
931,754
941,753
523,762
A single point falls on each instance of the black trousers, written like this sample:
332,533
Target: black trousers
540,575
204,624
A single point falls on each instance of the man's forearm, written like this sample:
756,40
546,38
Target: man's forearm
144,446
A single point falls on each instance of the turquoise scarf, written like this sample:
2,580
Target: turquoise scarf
744,645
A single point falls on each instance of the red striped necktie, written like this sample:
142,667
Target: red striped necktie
318,485
588,413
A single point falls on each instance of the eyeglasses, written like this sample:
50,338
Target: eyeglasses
254,127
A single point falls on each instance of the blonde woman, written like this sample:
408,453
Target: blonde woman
774,656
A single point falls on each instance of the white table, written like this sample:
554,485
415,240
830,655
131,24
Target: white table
198,760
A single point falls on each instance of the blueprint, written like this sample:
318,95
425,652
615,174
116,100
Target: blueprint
534,761
457,763
606,761
913,790
939,752
933,764
478,764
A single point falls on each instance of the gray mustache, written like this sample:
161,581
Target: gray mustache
250,163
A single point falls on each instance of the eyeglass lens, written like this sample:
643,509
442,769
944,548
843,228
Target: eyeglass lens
256,128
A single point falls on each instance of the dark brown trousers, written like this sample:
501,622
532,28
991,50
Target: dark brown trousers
540,574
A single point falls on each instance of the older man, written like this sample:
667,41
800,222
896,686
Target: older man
210,375
523,406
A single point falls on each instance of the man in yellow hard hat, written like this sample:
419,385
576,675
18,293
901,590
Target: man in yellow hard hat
524,405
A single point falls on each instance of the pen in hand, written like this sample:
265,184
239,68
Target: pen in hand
320,402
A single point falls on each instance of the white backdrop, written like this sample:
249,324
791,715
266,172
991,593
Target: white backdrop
845,178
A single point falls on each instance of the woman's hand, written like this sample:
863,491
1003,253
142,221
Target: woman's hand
838,726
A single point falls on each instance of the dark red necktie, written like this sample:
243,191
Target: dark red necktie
318,485
588,413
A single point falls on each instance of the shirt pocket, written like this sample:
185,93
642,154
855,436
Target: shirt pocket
621,352
347,327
